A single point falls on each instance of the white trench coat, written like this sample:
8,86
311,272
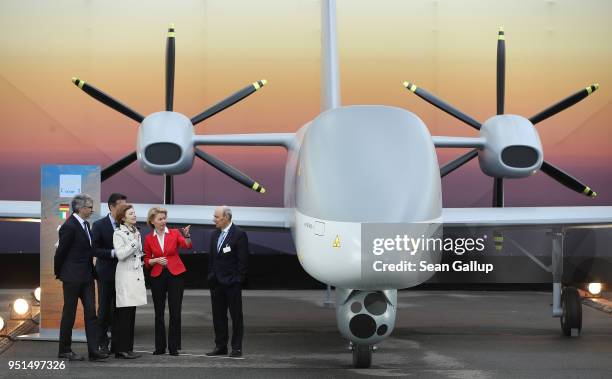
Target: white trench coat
129,278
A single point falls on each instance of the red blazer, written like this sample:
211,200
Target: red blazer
172,241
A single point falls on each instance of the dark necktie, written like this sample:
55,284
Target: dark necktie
87,230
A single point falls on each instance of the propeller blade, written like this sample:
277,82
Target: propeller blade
501,70
498,192
229,171
452,166
566,179
107,100
118,166
168,189
431,99
170,68
564,104
498,183
228,102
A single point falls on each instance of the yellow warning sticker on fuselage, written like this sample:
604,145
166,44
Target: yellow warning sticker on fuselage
336,243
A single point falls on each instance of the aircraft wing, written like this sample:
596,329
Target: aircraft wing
516,216
20,209
269,217
261,217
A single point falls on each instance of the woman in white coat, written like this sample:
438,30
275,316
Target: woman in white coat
129,280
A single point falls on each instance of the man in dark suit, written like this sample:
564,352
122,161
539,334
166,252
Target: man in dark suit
227,267
106,263
73,265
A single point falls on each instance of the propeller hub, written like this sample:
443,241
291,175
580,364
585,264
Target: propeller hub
513,148
165,143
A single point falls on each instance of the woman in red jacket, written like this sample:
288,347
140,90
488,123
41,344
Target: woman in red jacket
162,257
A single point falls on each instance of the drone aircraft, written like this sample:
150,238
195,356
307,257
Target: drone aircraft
331,189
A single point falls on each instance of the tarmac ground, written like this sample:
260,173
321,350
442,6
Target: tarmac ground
438,334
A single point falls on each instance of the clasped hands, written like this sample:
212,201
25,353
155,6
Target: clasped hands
160,261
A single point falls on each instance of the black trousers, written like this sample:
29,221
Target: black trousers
173,286
124,332
226,297
73,291
106,309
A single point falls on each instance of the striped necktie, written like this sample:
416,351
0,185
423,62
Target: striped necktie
220,241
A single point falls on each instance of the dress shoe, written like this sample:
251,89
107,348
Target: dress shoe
134,355
97,356
159,352
236,354
217,352
175,353
104,350
126,355
71,356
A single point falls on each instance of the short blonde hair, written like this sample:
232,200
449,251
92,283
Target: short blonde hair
154,212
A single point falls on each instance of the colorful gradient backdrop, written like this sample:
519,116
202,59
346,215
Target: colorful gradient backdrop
554,48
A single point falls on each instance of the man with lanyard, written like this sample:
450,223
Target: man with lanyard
227,267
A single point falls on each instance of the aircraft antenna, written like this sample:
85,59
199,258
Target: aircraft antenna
330,76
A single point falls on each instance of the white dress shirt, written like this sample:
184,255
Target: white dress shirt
162,238
115,226
82,222
223,236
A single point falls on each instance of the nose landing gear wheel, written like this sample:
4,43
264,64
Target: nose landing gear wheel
571,318
362,356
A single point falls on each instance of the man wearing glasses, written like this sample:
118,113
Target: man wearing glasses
73,265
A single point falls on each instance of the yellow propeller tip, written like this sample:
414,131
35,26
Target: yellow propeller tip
501,28
264,81
596,85
74,80
171,25
594,194
263,190
406,84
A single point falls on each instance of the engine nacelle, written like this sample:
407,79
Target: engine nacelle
513,148
365,317
165,143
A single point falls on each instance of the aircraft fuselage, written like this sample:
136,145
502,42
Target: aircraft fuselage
352,166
